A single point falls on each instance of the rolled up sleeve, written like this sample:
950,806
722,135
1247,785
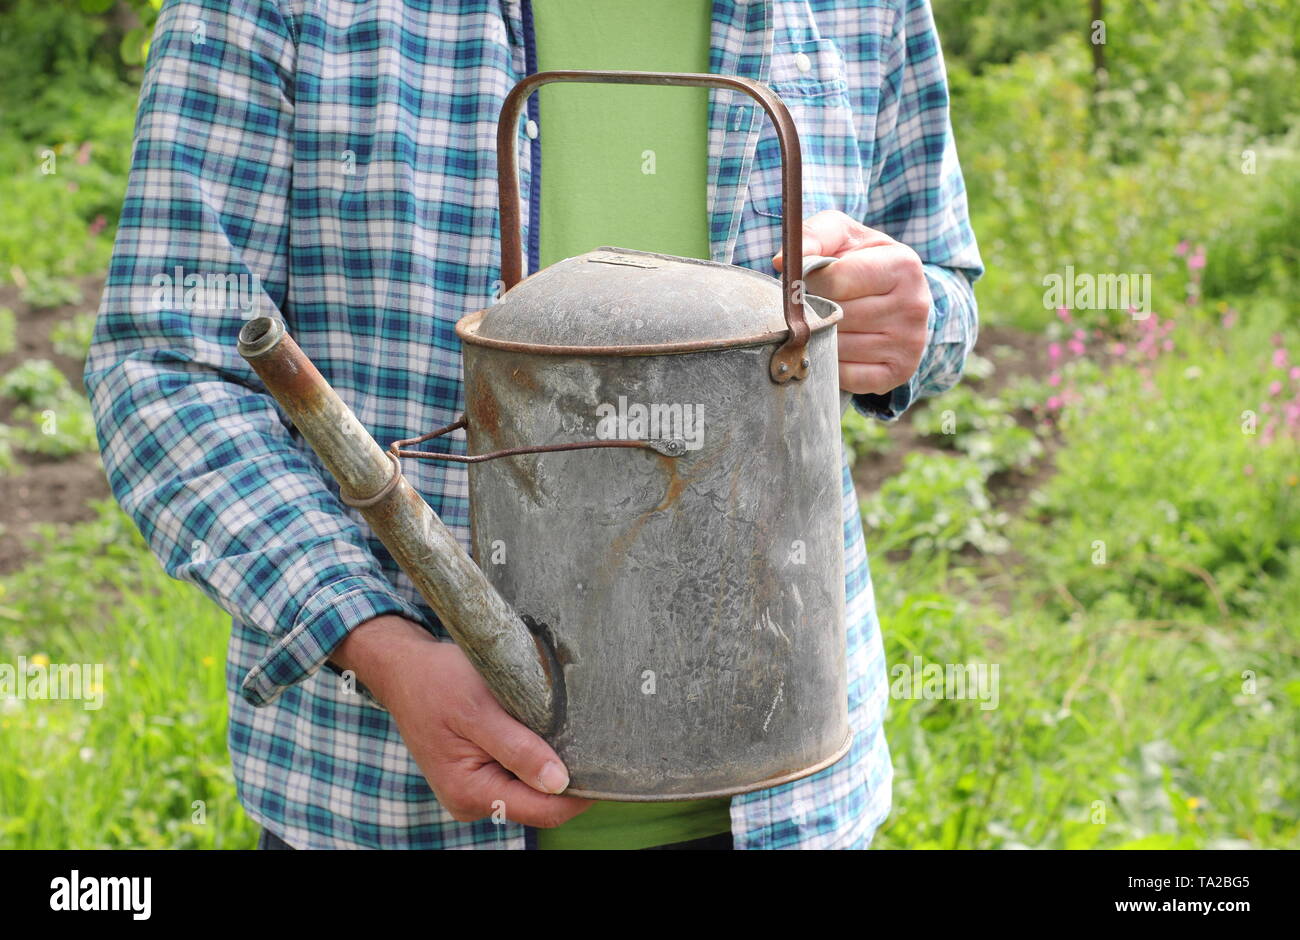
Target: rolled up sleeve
917,196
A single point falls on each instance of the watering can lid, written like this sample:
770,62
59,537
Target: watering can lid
615,297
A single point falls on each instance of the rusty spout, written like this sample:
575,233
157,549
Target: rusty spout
517,664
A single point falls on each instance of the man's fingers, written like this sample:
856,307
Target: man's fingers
891,313
834,233
867,272
519,750
497,791
869,378
876,362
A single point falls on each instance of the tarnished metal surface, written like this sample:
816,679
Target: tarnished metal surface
789,361
516,665
697,604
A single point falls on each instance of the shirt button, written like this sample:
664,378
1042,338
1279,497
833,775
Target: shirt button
802,62
531,130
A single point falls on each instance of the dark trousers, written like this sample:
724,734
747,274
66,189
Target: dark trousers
270,840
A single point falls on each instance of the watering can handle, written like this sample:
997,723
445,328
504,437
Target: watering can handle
790,361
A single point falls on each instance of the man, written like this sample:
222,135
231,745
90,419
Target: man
338,159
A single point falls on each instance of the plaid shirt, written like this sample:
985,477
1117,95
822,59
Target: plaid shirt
333,163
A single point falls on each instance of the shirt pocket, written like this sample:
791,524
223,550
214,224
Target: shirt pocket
810,76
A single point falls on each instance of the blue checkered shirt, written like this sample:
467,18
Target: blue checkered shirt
333,163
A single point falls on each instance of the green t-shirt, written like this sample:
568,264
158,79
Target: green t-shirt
627,166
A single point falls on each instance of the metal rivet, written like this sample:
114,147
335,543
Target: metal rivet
802,62
806,362
531,130
783,368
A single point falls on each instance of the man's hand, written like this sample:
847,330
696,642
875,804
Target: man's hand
469,748
886,299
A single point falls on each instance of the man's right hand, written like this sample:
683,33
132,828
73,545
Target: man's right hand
477,759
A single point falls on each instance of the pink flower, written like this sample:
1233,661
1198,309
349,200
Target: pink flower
1230,319
1182,248
1063,313
1053,351
97,225
1249,469
1265,408
1274,389
1167,345
1279,358
1276,339
1054,379
1197,260
1080,335
1118,349
83,153
1054,403
1294,373
1075,347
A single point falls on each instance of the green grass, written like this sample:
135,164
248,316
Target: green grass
139,771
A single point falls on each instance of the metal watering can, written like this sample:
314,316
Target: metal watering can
655,493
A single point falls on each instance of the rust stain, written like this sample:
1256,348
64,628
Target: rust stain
484,413
676,483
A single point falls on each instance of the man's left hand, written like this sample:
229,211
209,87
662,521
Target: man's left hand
881,285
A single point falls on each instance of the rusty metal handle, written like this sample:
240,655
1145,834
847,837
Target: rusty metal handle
669,447
790,361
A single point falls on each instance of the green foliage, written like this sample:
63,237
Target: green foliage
1110,182
863,437
8,328
1026,393
133,773
1108,733
54,419
981,427
60,429
36,382
937,504
68,116
1256,248
7,462
1169,493
71,337
977,33
44,292
1045,194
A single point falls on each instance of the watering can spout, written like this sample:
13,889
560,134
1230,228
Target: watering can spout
514,657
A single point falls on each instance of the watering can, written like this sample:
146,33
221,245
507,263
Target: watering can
655,500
